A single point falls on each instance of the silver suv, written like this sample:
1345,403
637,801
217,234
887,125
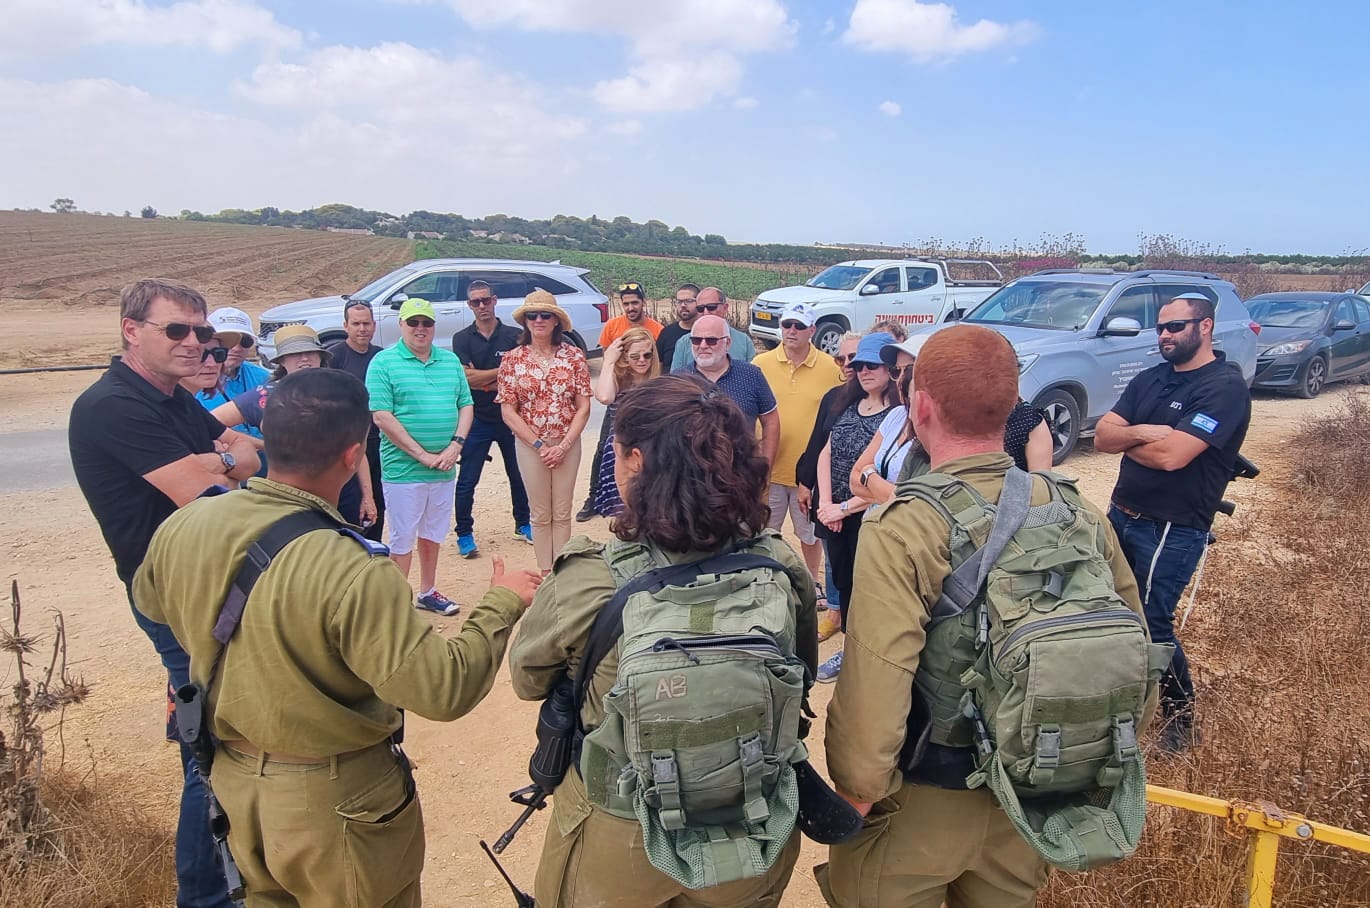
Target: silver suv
1082,334
443,283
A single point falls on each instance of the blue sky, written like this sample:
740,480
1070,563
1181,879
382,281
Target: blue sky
891,121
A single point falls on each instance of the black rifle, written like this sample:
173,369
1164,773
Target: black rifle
194,731
521,898
557,726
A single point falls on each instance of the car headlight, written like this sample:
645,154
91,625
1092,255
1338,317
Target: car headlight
1025,362
1286,348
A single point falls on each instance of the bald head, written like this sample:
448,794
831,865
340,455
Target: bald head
712,296
710,339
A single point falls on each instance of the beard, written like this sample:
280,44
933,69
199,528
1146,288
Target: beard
1184,348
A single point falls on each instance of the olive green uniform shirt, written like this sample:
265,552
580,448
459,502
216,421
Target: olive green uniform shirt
330,644
557,626
901,563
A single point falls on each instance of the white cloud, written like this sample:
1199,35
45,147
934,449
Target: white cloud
890,108
681,55
928,32
627,128
34,27
746,103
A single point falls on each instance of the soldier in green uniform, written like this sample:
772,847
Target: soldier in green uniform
307,694
928,840
694,483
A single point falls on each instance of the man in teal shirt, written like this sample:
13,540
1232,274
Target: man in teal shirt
712,301
423,406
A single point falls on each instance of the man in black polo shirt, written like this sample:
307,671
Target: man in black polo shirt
1179,426
480,346
354,356
141,447
685,318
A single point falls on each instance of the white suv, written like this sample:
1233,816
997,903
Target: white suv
443,282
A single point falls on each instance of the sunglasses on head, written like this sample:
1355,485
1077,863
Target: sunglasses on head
707,341
179,331
868,367
539,316
218,354
1176,326
481,301
630,287
418,322
793,326
709,307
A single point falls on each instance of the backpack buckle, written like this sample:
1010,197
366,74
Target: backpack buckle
666,785
1125,747
1047,756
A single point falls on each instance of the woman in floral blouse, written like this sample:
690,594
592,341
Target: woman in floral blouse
544,395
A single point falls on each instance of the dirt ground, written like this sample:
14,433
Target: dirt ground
54,548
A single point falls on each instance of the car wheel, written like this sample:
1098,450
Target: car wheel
828,337
332,337
575,338
1314,378
1062,412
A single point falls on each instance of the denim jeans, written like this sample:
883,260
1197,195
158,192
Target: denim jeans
829,587
1162,572
483,434
199,878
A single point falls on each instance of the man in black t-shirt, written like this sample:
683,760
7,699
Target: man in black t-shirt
354,356
685,318
141,447
1179,426
480,346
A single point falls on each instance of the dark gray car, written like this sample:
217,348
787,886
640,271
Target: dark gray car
1309,339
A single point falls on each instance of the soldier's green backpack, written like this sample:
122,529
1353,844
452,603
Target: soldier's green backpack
1033,659
701,727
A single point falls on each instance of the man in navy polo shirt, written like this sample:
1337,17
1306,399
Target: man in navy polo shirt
711,342
141,447
1179,426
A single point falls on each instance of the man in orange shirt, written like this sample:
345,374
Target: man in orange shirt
633,299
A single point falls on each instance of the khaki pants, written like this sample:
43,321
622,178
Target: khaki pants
924,846
551,499
323,834
591,857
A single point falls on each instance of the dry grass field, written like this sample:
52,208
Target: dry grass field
1278,639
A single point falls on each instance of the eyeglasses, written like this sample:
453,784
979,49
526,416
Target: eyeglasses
688,299
246,342
842,360
481,301
417,322
218,354
179,331
1176,326
639,357
794,326
707,341
630,287
539,316
868,367
709,307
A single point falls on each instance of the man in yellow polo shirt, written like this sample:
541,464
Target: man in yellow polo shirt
799,374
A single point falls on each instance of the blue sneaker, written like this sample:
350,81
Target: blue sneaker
466,547
524,532
437,602
827,672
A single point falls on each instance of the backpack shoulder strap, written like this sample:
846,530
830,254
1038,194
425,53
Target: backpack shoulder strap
963,584
608,624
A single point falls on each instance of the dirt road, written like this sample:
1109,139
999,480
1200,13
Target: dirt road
465,768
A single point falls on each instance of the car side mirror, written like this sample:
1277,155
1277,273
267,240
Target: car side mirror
1121,327
398,300
1344,325
870,290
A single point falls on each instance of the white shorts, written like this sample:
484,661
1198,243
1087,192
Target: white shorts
418,510
781,499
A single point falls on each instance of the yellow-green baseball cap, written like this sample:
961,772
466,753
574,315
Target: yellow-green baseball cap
415,306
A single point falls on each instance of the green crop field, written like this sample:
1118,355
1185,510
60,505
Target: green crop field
660,276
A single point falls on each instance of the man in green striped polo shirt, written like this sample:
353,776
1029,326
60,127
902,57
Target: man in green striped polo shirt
423,407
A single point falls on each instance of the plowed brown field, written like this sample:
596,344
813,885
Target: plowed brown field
60,275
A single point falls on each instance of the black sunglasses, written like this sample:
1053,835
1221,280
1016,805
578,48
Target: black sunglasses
481,301
1176,326
539,316
868,367
179,331
709,307
707,341
218,354
841,360
794,326
416,322
246,341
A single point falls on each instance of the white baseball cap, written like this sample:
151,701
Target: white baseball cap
889,354
231,321
799,312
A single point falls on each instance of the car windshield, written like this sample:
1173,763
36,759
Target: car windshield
1287,313
1064,305
838,277
373,289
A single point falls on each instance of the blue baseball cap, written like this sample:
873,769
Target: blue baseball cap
869,347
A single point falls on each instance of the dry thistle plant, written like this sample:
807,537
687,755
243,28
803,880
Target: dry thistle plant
33,698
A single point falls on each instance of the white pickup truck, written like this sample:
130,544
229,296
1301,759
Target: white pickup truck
854,295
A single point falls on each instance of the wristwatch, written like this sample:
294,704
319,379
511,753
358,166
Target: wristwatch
229,461
866,475
844,505
459,440
537,445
